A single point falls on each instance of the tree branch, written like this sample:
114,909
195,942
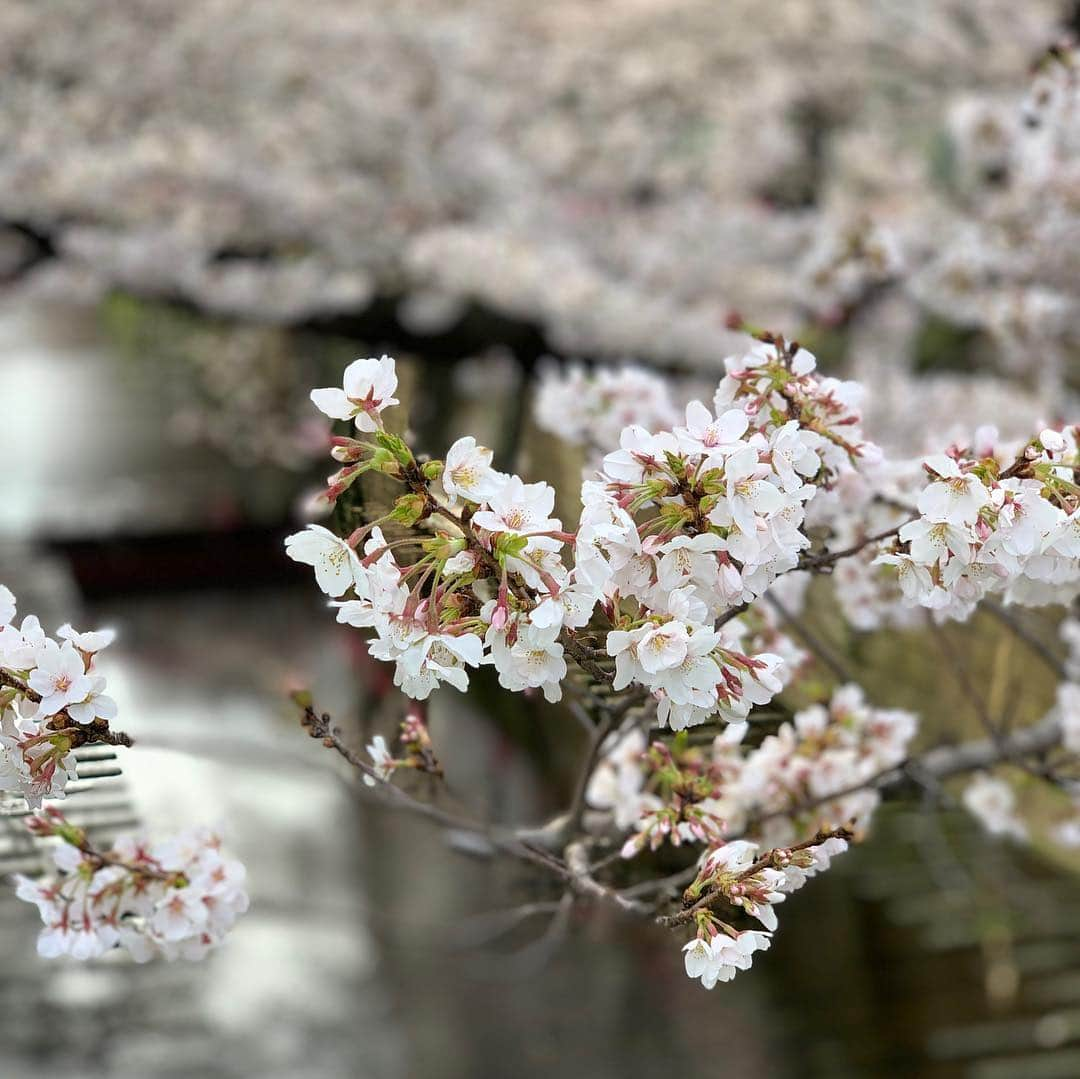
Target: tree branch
96,731
711,899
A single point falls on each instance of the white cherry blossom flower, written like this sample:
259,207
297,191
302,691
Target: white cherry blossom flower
794,456
467,472
7,605
90,642
519,507
748,494
337,565
430,660
956,498
527,656
711,435
59,677
662,646
95,705
381,759
1064,539
933,541
19,645
992,802
369,388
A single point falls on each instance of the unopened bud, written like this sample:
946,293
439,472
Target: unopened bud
302,698
346,450
409,509
509,545
395,446
444,547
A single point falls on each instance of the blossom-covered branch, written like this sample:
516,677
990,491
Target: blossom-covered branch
175,899
655,597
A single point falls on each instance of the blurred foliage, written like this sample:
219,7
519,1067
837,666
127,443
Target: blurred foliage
945,346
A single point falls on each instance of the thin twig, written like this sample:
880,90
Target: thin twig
1039,647
812,641
717,895
825,559
96,731
577,803
958,668
482,928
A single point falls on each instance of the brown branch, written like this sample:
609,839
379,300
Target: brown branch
575,871
96,731
822,651
1040,648
728,615
825,559
514,843
585,658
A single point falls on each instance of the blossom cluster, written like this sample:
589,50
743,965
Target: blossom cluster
744,877
813,772
583,182
810,774
415,741
174,899
813,776
992,802
51,700
427,617
997,262
679,530
684,530
667,794
985,526
591,408
723,499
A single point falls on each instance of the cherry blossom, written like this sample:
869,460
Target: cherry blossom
88,642
591,409
51,701
369,388
175,899
467,473
337,567
95,705
59,676
518,507
7,605
992,802
381,759
679,594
